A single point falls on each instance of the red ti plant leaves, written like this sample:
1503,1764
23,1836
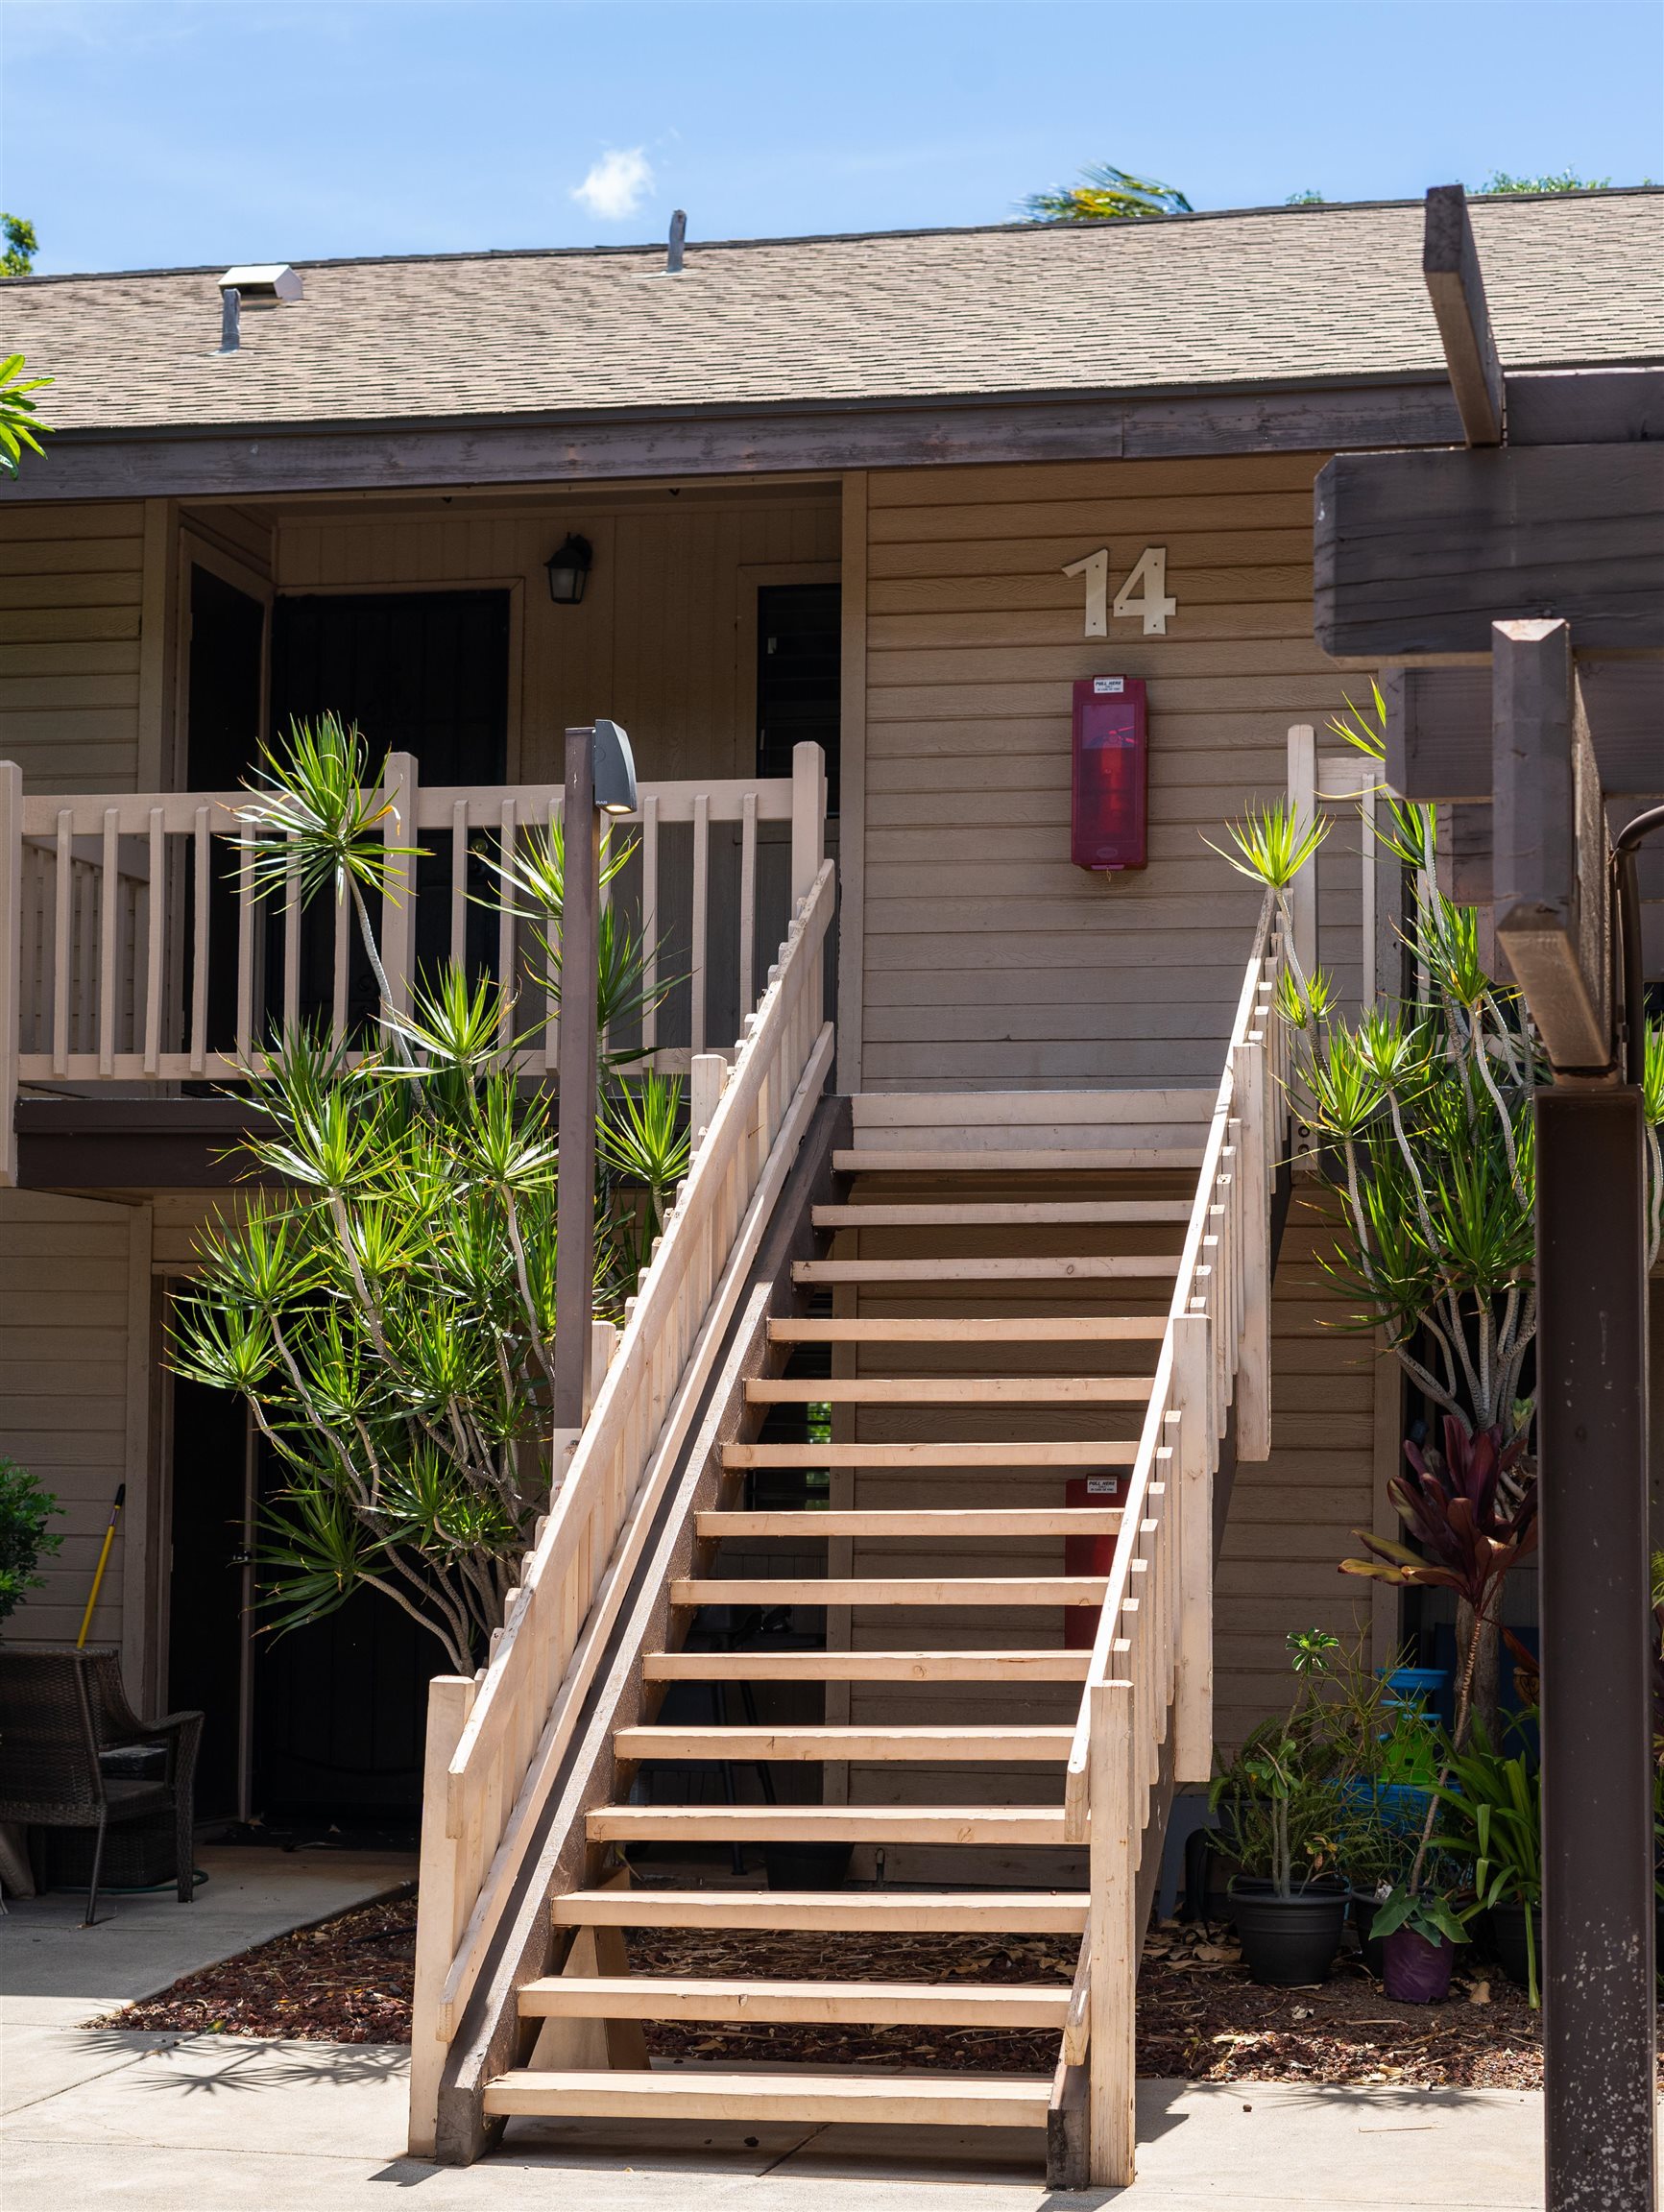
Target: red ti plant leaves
1468,1529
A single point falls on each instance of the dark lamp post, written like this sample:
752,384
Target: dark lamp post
569,570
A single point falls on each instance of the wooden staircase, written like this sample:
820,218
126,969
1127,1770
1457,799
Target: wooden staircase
994,1336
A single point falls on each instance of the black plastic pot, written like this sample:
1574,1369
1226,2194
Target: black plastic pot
1508,1942
1364,1908
807,1865
1287,1942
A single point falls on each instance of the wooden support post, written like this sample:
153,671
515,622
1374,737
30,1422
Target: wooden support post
445,1909
1193,1688
399,791
706,1075
1449,266
1302,797
1114,1935
1549,866
1599,2036
575,1188
10,960
808,818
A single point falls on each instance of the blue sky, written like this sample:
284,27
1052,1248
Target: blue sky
143,134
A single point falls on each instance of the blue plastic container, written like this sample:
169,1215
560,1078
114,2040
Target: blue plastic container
1423,1686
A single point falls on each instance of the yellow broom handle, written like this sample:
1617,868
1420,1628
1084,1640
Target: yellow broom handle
103,1563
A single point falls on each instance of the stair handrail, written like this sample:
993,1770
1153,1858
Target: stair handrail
1152,1666
496,1741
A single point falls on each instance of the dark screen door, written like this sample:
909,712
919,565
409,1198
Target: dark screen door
799,643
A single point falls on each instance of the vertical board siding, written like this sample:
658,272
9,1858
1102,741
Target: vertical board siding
67,1376
655,642
990,961
1291,1518
71,581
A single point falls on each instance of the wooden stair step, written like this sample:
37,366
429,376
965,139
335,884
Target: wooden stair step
877,2003
1056,1159
1070,1267
958,1744
1052,1451
1001,1213
951,1390
699,2093
818,1912
1000,1824
994,1666
970,1328
898,1589
925,1520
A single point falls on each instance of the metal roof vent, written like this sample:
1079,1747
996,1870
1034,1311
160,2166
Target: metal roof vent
263,284
678,240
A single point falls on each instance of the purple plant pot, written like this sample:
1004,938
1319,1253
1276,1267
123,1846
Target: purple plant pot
1417,1971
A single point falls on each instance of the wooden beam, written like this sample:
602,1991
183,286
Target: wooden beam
268,461
1417,554
1456,286
660,1997
1585,406
1438,741
901,1912
801,2099
1003,1665
1550,852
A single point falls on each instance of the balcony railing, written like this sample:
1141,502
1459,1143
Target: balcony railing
133,950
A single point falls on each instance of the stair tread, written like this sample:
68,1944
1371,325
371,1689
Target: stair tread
1000,1213
1070,1267
950,1390
859,1912
831,1823
916,1521
1052,1451
893,1590
656,1997
815,1741
1014,1664
1055,1160
969,1329
955,2100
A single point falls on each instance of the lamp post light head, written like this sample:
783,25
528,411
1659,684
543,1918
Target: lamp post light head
614,770
569,570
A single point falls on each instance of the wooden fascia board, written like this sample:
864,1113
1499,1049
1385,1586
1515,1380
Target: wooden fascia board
269,461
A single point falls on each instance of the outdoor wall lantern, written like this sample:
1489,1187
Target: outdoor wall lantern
614,770
569,570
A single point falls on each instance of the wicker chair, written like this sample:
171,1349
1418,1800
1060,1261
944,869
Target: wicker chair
59,1709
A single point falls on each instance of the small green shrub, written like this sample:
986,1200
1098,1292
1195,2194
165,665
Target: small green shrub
25,1509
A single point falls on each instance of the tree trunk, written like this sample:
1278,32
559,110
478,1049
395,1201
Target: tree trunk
1484,1709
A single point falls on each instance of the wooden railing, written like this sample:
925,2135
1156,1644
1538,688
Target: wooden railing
1150,1676
133,950
495,1742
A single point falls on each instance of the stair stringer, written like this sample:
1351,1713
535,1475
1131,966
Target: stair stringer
493,2039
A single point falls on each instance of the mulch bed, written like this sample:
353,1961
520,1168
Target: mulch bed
346,1981
1199,2016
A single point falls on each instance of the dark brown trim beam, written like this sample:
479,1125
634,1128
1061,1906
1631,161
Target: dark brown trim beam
268,462
1418,554
1438,744
1585,406
132,1143
1456,286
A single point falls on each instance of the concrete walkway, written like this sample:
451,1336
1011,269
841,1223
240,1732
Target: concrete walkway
150,2124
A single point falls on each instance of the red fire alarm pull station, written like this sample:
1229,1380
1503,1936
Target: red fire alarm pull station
1088,1554
1109,824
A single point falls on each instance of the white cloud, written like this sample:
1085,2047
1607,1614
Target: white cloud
617,185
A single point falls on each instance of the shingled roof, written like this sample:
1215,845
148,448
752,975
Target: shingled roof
1272,296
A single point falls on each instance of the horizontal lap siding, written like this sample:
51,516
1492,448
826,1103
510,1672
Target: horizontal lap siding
68,1376
1292,1519
989,960
71,586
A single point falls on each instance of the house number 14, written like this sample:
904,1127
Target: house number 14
1145,591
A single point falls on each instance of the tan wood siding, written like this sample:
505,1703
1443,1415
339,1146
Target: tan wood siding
71,593
75,1400
1291,1518
990,961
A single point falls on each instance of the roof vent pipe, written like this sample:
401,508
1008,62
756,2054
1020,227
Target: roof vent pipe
231,319
678,238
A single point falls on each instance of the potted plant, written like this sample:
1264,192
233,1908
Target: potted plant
1493,1820
25,1509
1418,1930
1278,1814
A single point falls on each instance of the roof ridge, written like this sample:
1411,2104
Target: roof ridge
1307,210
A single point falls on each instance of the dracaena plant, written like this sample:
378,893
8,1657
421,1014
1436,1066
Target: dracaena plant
386,1306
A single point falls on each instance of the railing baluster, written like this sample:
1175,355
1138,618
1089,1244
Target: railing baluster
245,957
156,909
700,902
552,932
198,1029
12,973
291,946
649,920
459,883
505,930
342,948
62,944
747,904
